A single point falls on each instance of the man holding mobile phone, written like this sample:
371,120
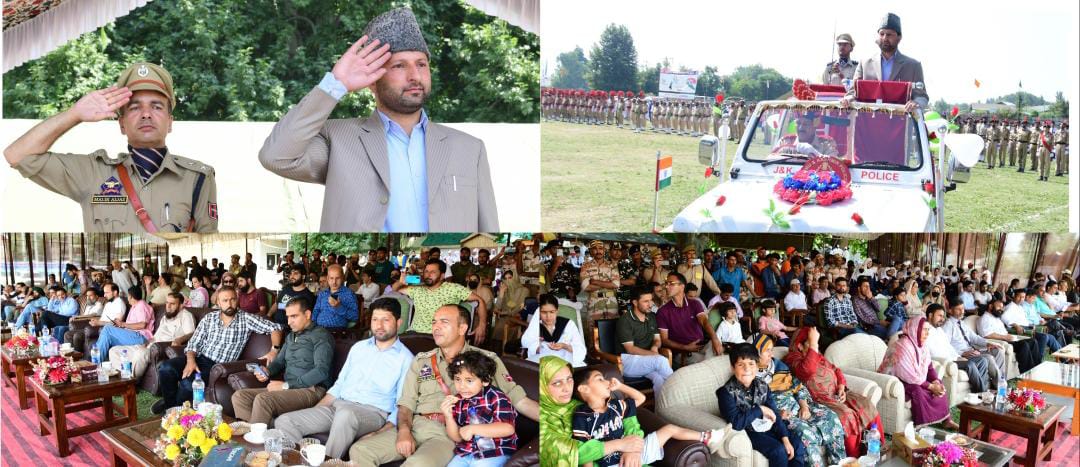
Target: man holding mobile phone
336,306
435,292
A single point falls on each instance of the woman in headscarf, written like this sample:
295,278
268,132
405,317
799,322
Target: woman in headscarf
909,360
818,427
914,303
936,295
551,334
558,448
827,387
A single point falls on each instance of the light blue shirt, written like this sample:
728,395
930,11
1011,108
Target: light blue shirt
67,307
886,67
367,376
969,301
408,209
408,206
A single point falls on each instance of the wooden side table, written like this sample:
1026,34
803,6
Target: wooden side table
54,403
15,370
1040,431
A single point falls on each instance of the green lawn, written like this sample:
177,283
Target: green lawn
600,178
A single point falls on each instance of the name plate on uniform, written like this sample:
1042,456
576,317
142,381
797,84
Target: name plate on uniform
104,199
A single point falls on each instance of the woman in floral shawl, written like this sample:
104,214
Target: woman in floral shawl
818,427
557,447
909,360
827,387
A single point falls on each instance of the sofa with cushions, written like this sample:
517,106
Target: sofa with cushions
688,399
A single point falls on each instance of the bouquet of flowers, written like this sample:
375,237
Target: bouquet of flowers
57,370
22,342
1029,401
949,454
189,436
804,186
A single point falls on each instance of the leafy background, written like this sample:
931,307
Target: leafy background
251,60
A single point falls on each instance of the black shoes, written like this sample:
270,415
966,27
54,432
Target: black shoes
158,407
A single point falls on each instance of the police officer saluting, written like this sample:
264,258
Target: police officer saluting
146,189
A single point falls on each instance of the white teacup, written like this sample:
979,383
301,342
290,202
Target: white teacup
106,367
257,430
66,347
314,454
973,399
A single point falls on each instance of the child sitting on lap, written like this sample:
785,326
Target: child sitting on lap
480,418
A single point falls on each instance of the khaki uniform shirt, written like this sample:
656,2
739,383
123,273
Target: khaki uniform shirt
422,394
93,181
847,71
602,302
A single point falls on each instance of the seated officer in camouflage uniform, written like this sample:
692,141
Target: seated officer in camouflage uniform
148,188
420,438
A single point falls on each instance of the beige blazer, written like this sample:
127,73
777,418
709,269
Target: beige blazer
904,69
349,157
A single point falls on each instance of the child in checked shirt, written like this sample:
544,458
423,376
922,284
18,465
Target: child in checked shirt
480,418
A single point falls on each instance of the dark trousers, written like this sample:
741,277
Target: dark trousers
52,320
176,390
770,446
1027,353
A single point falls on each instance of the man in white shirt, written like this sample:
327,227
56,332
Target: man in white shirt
367,289
176,326
1015,317
795,298
990,326
983,295
115,307
972,346
941,348
122,277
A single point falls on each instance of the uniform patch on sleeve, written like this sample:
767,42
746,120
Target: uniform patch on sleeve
425,373
211,210
509,379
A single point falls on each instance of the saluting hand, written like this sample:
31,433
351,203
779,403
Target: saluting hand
101,104
360,67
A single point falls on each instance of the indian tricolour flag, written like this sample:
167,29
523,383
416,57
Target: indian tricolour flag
663,172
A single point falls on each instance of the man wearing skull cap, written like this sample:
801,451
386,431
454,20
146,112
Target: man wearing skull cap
393,171
891,65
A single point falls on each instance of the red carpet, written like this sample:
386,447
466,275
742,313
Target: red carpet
1066,448
23,445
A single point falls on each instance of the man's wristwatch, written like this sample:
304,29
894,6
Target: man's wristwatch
277,347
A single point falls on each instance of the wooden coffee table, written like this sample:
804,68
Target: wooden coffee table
1062,379
15,370
133,444
1040,431
54,403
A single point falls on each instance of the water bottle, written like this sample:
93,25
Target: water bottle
33,329
125,365
1002,387
482,443
95,356
873,443
198,390
44,347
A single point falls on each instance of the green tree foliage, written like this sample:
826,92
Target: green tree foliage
252,60
613,61
649,78
1060,107
1017,97
757,83
570,71
708,83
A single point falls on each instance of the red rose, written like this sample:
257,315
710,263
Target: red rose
825,198
708,172
720,201
57,375
857,218
795,209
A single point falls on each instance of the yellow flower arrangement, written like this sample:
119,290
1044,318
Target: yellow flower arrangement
176,432
196,436
171,451
224,432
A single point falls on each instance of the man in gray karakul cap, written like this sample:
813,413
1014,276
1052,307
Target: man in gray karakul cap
393,171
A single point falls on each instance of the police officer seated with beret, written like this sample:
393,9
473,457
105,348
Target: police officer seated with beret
146,189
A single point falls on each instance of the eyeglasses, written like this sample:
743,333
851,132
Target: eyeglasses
670,283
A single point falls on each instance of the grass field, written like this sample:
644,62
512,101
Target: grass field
600,178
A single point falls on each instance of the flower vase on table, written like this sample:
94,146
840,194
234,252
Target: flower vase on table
948,454
22,344
190,435
1026,402
54,371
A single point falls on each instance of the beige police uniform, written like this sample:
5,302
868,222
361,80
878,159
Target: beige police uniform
422,394
838,70
1061,142
180,190
92,181
991,146
1023,139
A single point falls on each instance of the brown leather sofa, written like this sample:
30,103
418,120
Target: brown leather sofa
83,337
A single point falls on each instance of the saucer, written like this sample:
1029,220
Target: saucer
251,438
973,399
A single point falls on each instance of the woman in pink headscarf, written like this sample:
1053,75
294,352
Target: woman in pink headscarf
909,360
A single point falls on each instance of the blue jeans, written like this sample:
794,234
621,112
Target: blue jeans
894,327
174,390
112,335
24,317
770,446
470,461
